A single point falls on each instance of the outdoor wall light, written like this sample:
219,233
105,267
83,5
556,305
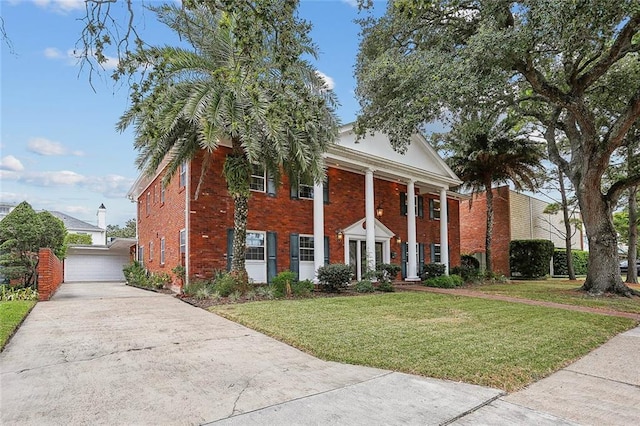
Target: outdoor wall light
340,234
398,239
379,211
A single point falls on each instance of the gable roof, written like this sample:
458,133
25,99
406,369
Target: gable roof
73,224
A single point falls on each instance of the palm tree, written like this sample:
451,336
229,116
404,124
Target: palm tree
493,152
276,112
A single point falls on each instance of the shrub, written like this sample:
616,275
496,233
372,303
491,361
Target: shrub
386,286
387,271
364,286
580,262
444,281
335,276
530,258
228,284
469,261
135,274
265,292
303,288
431,270
8,293
283,284
235,296
196,287
159,280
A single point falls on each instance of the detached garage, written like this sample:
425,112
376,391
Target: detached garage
97,263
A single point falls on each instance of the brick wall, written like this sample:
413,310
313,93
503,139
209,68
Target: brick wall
50,274
211,215
473,225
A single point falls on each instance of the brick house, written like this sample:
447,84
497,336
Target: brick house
516,216
359,214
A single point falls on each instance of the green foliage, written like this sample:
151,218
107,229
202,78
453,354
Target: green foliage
467,260
72,239
580,262
469,269
22,233
444,281
303,288
129,230
431,270
387,271
283,284
386,286
11,316
265,292
227,284
8,293
198,287
364,286
530,258
135,274
335,276
159,280
179,271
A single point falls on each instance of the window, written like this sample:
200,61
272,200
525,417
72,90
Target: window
434,209
162,251
306,249
183,241
162,194
155,194
305,191
258,178
435,256
148,202
255,246
419,211
141,255
183,174
150,250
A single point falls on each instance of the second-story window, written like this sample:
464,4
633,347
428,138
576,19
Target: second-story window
183,174
258,178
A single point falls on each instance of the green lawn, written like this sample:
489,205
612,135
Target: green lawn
561,291
492,343
11,316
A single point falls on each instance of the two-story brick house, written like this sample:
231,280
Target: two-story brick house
359,214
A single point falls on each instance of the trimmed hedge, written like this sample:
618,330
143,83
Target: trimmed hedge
580,262
530,258
444,281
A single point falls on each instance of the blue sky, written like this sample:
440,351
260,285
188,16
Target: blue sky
59,149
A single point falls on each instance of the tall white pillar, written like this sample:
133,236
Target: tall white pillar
444,232
370,220
412,256
318,228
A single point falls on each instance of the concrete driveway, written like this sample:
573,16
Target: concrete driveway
105,353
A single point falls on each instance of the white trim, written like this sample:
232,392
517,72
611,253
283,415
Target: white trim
412,253
318,228
370,230
444,232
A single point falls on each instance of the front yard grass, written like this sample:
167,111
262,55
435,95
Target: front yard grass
561,291
11,316
491,343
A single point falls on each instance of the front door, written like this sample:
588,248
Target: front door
358,257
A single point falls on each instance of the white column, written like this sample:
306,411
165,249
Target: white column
412,256
444,232
370,220
318,228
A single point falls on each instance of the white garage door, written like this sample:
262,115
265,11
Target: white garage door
94,267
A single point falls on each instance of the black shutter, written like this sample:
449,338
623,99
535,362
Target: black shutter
294,190
403,259
420,256
271,185
325,190
403,203
326,251
229,248
294,253
431,212
433,253
420,206
272,253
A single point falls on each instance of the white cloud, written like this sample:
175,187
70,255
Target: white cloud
78,209
111,186
44,146
63,177
52,53
62,6
352,3
11,163
72,57
328,81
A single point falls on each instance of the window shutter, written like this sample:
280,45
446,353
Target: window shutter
403,257
271,185
420,206
433,253
420,256
294,253
325,190
431,212
326,250
294,190
229,248
272,253
403,203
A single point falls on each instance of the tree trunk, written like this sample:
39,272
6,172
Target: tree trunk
603,273
240,214
567,227
632,254
489,231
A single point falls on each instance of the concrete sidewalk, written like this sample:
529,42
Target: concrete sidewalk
105,353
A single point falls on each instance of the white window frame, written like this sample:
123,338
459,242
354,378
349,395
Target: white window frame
148,203
162,249
304,190
263,246
161,194
257,178
436,209
307,250
437,254
182,241
183,174
141,255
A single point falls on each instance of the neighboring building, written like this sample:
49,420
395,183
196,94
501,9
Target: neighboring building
5,209
516,216
358,215
97,232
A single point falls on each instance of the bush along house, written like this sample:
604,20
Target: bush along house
375,206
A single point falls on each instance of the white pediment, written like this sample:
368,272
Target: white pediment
357,229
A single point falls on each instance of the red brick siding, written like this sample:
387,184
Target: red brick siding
473,227
50,274
211,215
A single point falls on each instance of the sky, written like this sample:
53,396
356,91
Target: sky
59,149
